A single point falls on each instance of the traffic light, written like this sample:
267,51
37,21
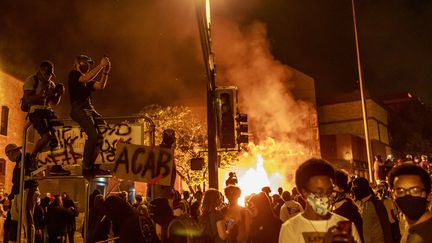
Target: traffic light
242,128
226,104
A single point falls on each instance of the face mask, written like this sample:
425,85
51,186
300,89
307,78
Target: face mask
412,207
360,193
321,205
84,68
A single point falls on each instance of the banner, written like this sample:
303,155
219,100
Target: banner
152,165
72,139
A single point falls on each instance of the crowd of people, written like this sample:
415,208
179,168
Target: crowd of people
54,219
326,205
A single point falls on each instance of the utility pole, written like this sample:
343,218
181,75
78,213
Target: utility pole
204,26
363,100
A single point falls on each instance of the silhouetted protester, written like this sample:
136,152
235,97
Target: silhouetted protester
217,228
376,226
99,222
232,179
132,227
277,203
317,223
343,204
264,224
82,82
290,207
237,215
162,214
411,189
69,204
195,207
379,169
163,191
39,220
57,221
30,193
393,212
42,95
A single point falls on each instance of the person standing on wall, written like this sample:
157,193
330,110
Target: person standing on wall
82,82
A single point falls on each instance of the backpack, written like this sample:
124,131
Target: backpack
24,105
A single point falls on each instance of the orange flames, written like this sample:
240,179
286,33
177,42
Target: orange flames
270,164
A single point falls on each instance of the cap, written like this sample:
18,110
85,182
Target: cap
10,147
85,58
48,66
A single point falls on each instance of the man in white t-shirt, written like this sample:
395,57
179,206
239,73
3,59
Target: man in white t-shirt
290,208
317,224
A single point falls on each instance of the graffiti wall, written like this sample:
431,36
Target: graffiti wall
72,139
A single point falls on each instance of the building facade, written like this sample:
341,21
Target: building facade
342,131
12,124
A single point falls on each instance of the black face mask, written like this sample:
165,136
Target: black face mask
84,68
360,193
412,207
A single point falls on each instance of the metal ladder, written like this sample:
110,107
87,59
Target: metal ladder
77,177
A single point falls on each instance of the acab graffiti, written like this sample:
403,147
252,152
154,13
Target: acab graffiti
71,141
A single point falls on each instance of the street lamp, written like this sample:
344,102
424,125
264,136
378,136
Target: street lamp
363,101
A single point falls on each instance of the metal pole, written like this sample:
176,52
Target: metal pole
203,19
87,210
20,195
363,101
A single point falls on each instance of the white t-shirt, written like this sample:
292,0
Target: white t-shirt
298,229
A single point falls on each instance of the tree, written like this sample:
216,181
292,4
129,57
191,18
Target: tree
191,140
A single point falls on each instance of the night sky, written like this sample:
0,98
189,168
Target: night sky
156,56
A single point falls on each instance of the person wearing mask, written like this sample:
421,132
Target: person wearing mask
42,95
313,179
343,204
376,226
82,82
411,191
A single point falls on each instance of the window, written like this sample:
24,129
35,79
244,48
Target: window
4,120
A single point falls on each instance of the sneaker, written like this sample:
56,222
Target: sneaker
57,170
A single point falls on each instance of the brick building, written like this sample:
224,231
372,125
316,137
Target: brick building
12,123
342,131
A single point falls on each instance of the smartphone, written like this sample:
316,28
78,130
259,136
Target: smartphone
230,222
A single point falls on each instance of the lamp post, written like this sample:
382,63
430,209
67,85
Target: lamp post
363,101
204,24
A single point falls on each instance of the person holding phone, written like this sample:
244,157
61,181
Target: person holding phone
317,223
82,82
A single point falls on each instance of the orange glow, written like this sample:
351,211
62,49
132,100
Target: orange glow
270,164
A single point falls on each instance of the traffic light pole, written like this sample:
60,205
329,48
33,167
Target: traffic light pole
203,20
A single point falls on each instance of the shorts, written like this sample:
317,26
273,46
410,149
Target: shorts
40,119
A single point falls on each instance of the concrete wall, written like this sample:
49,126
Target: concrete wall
11,91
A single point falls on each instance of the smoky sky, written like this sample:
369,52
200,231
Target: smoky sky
155,51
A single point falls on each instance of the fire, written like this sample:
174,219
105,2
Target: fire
269,164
